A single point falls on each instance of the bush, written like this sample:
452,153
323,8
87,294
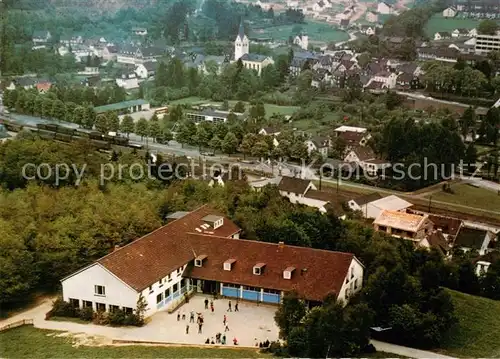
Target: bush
101,318
277,349
86,314
117,317
60,308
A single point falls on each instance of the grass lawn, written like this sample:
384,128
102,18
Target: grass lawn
28,342
438,23
188,101
477,332
317,31
470,196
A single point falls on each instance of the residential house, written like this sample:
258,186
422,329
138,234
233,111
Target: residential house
140,31
41,37
110,52
406,81
435,239
320,144
403,225
371,16
367,30
320,5
442,35
22,82
269,131
385,8
43,87
357,204
484,262
365,158
302,41
146,69
388,79
459,33
450,12
294,188
375,207
321,77
472,33
128,81
353,139
70,40
480,240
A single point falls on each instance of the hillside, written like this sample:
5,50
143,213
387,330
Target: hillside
92,5
476,334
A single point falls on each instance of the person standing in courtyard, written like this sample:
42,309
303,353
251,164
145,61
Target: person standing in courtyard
200,325
191,317
229,309
236,307
223,340
187,328
212,306
225,319
178,316
226,329
206,303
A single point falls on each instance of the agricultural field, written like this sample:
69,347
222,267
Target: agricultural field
438,23
317,31
476,333
467,195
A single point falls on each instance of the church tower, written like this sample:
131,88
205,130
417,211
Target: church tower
241,45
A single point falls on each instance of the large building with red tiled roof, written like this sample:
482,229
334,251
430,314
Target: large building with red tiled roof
200,251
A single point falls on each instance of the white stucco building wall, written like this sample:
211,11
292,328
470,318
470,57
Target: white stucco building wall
353,281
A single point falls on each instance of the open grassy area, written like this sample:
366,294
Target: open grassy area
477,333
317,31
28,342
438,23
467,195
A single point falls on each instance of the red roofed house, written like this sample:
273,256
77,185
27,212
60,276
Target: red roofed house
200,251
43,87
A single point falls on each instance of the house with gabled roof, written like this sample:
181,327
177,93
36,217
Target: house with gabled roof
200,252
403,225
320,144
356,204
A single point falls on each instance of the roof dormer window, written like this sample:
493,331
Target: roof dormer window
258,269
198,262
287,273
228,265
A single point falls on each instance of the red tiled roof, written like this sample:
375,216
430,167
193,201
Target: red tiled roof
351,137
43,86
318,272
154,256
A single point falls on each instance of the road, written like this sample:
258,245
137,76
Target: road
278,169
406,351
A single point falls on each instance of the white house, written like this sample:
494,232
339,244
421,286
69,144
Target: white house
342,129
484,262
294,188
450,12
472,33
146,69
365,158
385,8
441,35
302,41
375,207
154,267
385,77
356,204
318,143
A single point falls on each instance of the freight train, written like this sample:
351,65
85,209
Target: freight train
65,134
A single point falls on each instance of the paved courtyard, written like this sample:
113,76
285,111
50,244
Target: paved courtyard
252,321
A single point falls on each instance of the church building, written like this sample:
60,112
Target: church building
242,52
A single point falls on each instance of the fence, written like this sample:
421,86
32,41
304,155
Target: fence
19,323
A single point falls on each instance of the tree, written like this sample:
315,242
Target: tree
127,125
290,314
140,309
186,132
176,113
471,156
89,117
260,149
78,115
113,121
165,137
101,123
230,143
247,144
467,121
487,27
239,107
215,143
258,111
142,127
58,110
225,106
154,129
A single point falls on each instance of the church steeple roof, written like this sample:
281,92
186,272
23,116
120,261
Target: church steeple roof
241,31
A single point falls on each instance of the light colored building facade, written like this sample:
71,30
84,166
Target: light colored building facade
487,43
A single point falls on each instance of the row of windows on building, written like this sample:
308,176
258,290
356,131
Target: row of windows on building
254,289
176,287
167,279
100,307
